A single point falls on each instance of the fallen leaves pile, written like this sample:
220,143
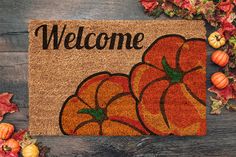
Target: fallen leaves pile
14,143
221,15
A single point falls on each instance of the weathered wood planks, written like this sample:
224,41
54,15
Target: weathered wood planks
14,16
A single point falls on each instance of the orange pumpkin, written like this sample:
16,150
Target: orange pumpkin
11,145
102,105
219,80
166,86
6,130
220,58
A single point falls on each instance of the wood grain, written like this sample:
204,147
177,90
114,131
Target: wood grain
14,16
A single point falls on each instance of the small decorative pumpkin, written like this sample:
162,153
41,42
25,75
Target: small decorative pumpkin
219,80
216,40
11,145
220,58
6,130
30,151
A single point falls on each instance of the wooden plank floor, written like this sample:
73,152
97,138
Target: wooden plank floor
14,16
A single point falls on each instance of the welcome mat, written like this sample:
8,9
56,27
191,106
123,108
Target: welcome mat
117,78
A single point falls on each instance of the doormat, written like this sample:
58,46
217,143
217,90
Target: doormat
117,78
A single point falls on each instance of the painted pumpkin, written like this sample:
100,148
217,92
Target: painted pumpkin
11,145
220,58
219,80
102,105
216,40
166,86
6,130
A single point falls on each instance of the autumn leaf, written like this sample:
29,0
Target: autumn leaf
216,106
18,136
5,105
149,5
231,107
169,8
226,6
224,94
226,27
232,41
207,10
189,5
205,7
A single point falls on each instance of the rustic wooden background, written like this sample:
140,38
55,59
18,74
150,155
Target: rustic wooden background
14,17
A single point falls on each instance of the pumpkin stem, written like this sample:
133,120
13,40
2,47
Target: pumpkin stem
175,75
217,37
6,148
97,114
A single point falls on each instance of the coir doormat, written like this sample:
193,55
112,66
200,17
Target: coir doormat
116,78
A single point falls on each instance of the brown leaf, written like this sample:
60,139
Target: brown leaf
5,105
231,107
216,106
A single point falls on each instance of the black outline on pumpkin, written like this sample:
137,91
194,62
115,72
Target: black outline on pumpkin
164,78
131,91
114,98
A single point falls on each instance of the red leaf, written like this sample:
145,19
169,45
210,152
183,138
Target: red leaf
5,105
149,5
226,6
224,94
19,135
227,30
190,5
227,26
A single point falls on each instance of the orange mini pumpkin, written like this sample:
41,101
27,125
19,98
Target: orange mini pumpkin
220,58
102,105
6,130
166,85
12,146
219,80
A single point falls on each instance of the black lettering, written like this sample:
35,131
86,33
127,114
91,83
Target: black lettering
121,40
54,34
98,41
79,38
86,41
68,40
136,40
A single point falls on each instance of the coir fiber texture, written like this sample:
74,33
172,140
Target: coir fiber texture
117,78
